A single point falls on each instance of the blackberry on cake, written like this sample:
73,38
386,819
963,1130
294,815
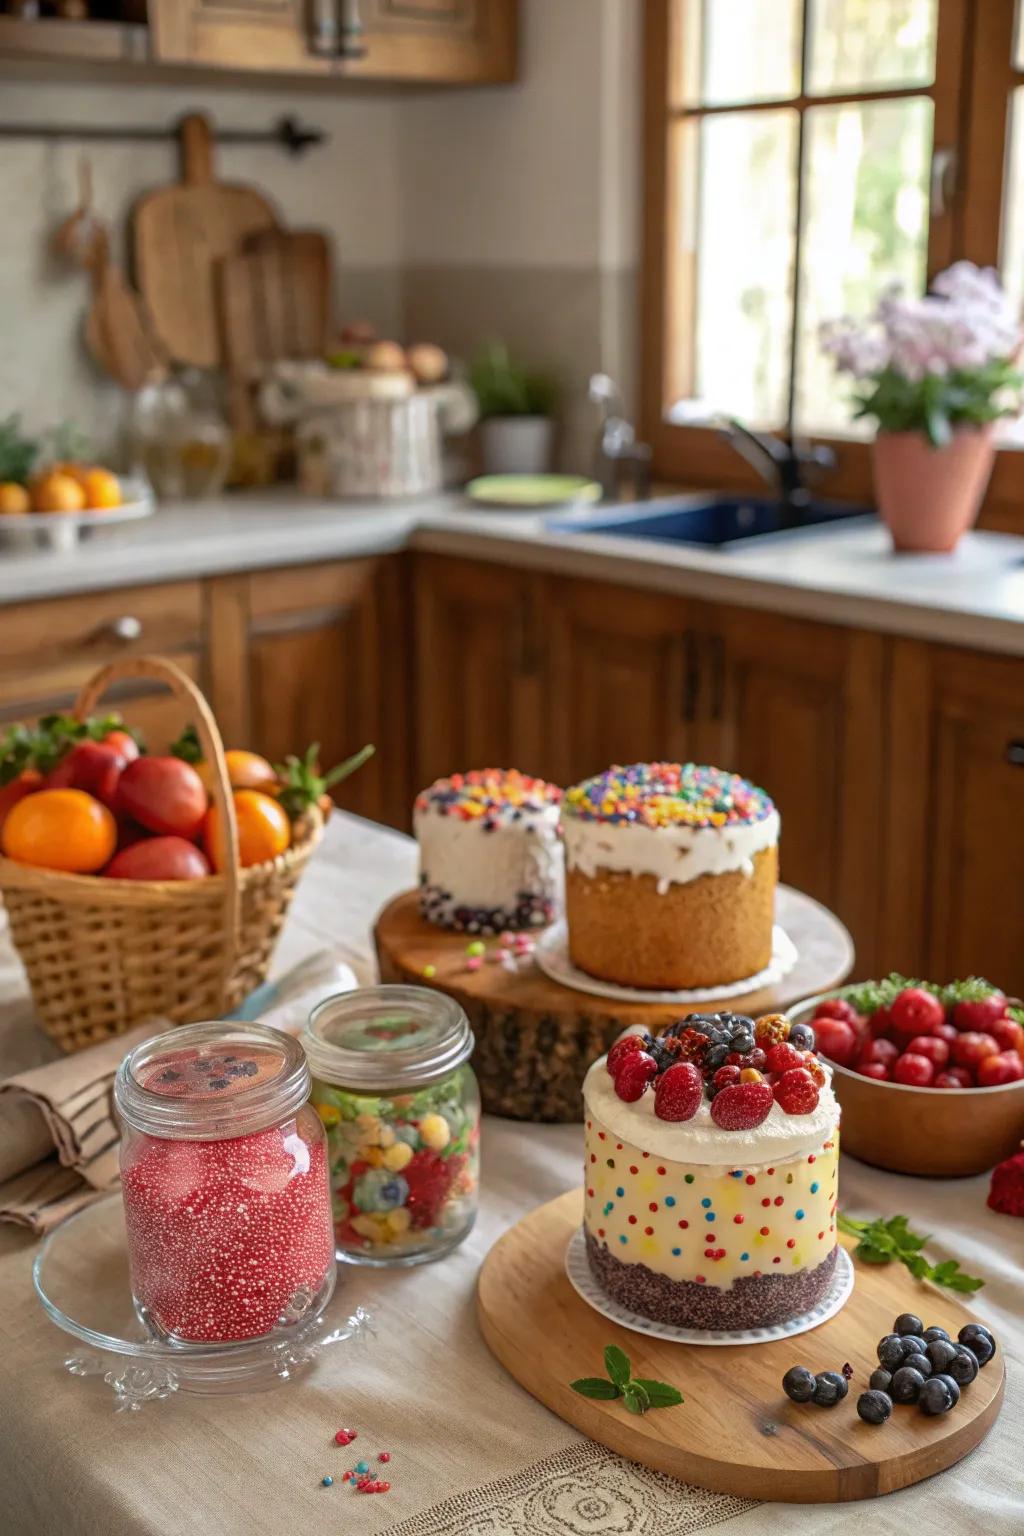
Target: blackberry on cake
491,857
671,872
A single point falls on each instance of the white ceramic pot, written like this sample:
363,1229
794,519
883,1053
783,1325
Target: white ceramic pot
517,445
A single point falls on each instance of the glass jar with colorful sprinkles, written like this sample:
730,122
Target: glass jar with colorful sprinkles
394,1088
224,1181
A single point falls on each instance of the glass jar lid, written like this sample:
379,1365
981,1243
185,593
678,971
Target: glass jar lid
208,1082
390,1037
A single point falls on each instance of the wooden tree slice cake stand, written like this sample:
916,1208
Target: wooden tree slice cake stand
535,1038
736,1432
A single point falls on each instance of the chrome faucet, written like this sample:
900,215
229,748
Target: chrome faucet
617,445
780,463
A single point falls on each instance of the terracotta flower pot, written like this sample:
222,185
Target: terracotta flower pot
929,496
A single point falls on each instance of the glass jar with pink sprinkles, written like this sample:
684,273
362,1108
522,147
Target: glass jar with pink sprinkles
225,1185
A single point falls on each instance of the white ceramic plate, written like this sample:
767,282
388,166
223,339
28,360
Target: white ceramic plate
61,531
552,955
584,1284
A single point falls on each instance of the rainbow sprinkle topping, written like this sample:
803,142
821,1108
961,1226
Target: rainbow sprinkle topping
489,795
666,795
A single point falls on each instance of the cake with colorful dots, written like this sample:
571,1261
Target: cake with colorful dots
491,854
671,872
711,1163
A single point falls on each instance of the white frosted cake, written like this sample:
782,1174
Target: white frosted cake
490,851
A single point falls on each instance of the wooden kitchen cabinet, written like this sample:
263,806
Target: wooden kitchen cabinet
798,707
479,668
316,653
623,682
954,815
444,42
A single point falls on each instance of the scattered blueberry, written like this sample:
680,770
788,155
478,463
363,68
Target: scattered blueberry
930,1334
829,1388
940,1353
715,1057
742,1042
801,1037
963,1367
874,1407
880,1380
798,1384
979,1340
938,1395
906,1385
891,1351
918,1362
908,1323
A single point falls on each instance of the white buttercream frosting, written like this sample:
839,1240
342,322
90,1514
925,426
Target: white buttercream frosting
700,1140
673,854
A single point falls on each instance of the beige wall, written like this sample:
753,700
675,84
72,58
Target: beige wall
349,186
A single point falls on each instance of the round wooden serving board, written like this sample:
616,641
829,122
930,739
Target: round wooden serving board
536,1038
736,1432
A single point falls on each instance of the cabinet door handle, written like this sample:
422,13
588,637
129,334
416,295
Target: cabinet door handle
1015,753
691,676
350,31
125,629
717,677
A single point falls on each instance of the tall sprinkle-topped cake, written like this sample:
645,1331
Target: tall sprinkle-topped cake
490,851
710,1165
671,872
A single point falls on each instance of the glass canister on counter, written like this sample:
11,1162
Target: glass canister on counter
394,1088
225,1187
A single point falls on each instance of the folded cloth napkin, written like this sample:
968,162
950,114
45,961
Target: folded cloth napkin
58,1137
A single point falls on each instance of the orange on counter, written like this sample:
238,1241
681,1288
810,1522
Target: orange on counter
102,489
14,499
264,830
63,829
56,492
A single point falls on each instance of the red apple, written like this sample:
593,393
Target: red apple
936,1050
1005,1067
971,1048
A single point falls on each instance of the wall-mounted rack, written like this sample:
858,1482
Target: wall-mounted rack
287,133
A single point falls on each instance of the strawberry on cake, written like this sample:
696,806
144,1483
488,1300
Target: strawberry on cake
711,1162
671,871
490,851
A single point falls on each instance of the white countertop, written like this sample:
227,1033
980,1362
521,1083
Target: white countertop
845,574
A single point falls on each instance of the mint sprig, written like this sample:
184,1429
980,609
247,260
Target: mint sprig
637,1393
884,1241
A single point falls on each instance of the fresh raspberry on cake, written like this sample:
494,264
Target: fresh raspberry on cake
796,1092
742,1107
782,1057
633,1074
678,1092
622,1048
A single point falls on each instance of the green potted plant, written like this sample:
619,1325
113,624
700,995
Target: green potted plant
516,413
935,373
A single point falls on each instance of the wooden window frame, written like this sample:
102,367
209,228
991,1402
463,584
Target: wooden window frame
975,75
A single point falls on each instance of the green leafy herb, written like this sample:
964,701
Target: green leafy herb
882,1241
504,388
637,1393
302,782
869,996
1015,1013
187,746
17,452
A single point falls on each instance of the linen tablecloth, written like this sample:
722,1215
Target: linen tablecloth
472,1454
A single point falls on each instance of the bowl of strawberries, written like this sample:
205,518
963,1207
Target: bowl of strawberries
902,1050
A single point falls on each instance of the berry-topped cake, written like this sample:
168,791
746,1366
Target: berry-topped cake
490,851
670,875
711,1160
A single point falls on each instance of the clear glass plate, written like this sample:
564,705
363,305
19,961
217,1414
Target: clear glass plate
81,1278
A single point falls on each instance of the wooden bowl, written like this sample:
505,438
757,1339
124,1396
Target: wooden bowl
894,1126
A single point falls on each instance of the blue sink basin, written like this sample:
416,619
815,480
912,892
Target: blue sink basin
713,520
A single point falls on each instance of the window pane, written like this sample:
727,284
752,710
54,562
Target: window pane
865,224
868,44
737,50
1011,259
736,256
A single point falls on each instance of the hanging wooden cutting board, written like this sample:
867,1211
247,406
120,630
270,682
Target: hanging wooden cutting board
274,298
180,234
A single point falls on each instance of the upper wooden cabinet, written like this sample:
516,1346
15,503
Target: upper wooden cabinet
445,42
954,815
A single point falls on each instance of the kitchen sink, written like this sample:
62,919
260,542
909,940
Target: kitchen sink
715,520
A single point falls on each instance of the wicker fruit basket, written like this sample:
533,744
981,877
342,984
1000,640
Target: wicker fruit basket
104,955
